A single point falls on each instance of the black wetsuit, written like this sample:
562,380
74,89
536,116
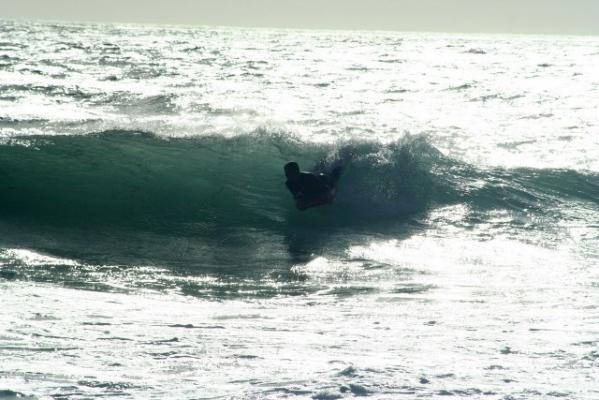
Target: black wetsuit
308,186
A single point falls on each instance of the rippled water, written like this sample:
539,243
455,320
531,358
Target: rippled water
148,248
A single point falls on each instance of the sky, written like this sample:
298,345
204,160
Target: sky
504,16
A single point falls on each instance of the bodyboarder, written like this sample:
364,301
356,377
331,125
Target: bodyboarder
310,189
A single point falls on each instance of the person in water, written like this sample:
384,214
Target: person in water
310,189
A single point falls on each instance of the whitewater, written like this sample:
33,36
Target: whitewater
149,248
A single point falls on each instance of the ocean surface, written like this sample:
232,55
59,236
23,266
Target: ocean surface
150,250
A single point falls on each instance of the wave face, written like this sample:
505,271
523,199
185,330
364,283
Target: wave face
106,188
135,197
141,180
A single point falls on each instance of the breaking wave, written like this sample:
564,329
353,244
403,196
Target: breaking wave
140,195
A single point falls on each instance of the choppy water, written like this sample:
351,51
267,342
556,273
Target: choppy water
149,249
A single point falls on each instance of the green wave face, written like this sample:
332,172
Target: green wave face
139,180
126,194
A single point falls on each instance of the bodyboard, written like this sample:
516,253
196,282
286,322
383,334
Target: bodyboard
303,203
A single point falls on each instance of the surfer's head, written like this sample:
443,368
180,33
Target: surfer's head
292,170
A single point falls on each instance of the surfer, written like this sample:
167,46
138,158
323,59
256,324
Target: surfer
309,189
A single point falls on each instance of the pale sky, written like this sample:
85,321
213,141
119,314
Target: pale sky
509,16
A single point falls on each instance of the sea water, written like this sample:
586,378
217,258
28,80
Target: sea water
149,248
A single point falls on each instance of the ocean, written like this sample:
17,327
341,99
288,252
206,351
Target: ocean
149,248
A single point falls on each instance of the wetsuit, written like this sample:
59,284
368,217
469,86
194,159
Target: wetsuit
310,190
308,186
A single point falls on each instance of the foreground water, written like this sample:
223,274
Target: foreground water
148,248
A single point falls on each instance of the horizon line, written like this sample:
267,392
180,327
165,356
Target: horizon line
207,25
